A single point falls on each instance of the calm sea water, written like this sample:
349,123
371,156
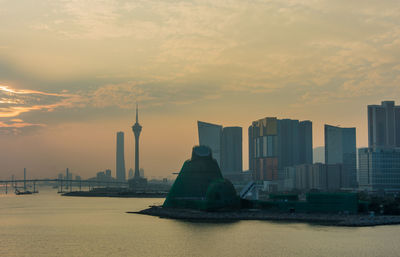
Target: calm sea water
47,224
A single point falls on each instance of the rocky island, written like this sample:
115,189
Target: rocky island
200,193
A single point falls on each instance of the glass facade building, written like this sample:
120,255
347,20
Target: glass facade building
232,145
226,144
379,169
275,144
211,135
340,148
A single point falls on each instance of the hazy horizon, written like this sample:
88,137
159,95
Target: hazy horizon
72,71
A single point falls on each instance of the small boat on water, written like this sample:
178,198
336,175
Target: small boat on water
17,192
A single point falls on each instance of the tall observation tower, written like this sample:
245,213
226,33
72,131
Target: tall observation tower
136,128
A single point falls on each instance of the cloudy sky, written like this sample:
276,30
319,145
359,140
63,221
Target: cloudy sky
72,70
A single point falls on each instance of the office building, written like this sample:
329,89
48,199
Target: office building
384,125
120,159
379,169
211,135
263,142
225,144
379,164
305,142
275,144
232,145
340,148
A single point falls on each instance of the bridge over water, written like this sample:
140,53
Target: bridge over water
63,185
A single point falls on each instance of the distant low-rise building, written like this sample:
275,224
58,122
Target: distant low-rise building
104,176
130,173
318,176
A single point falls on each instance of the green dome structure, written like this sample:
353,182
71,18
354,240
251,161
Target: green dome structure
200,185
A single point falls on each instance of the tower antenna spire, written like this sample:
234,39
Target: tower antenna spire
137,119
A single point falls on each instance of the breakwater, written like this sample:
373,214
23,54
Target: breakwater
256,214
126,194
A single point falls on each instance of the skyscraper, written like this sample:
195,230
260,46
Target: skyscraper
384,125
232,145
288,143
275,144
211,135
263,149
137,128
305,140
120,159
225,144
379,169
340,148
379,164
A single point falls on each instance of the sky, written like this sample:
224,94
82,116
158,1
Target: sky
71,72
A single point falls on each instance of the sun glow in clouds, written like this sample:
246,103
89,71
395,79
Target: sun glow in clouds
14,102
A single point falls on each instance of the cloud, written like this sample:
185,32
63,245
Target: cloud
150,94
15,102
196,50
17,127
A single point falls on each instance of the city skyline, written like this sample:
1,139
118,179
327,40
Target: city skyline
196,142
69,79
199,128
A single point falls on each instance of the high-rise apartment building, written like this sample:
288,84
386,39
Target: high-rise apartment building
275,144
379,164
120,158
340,148
384,125
225,144
305,139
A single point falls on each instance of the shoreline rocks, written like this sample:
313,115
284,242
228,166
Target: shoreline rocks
256,214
